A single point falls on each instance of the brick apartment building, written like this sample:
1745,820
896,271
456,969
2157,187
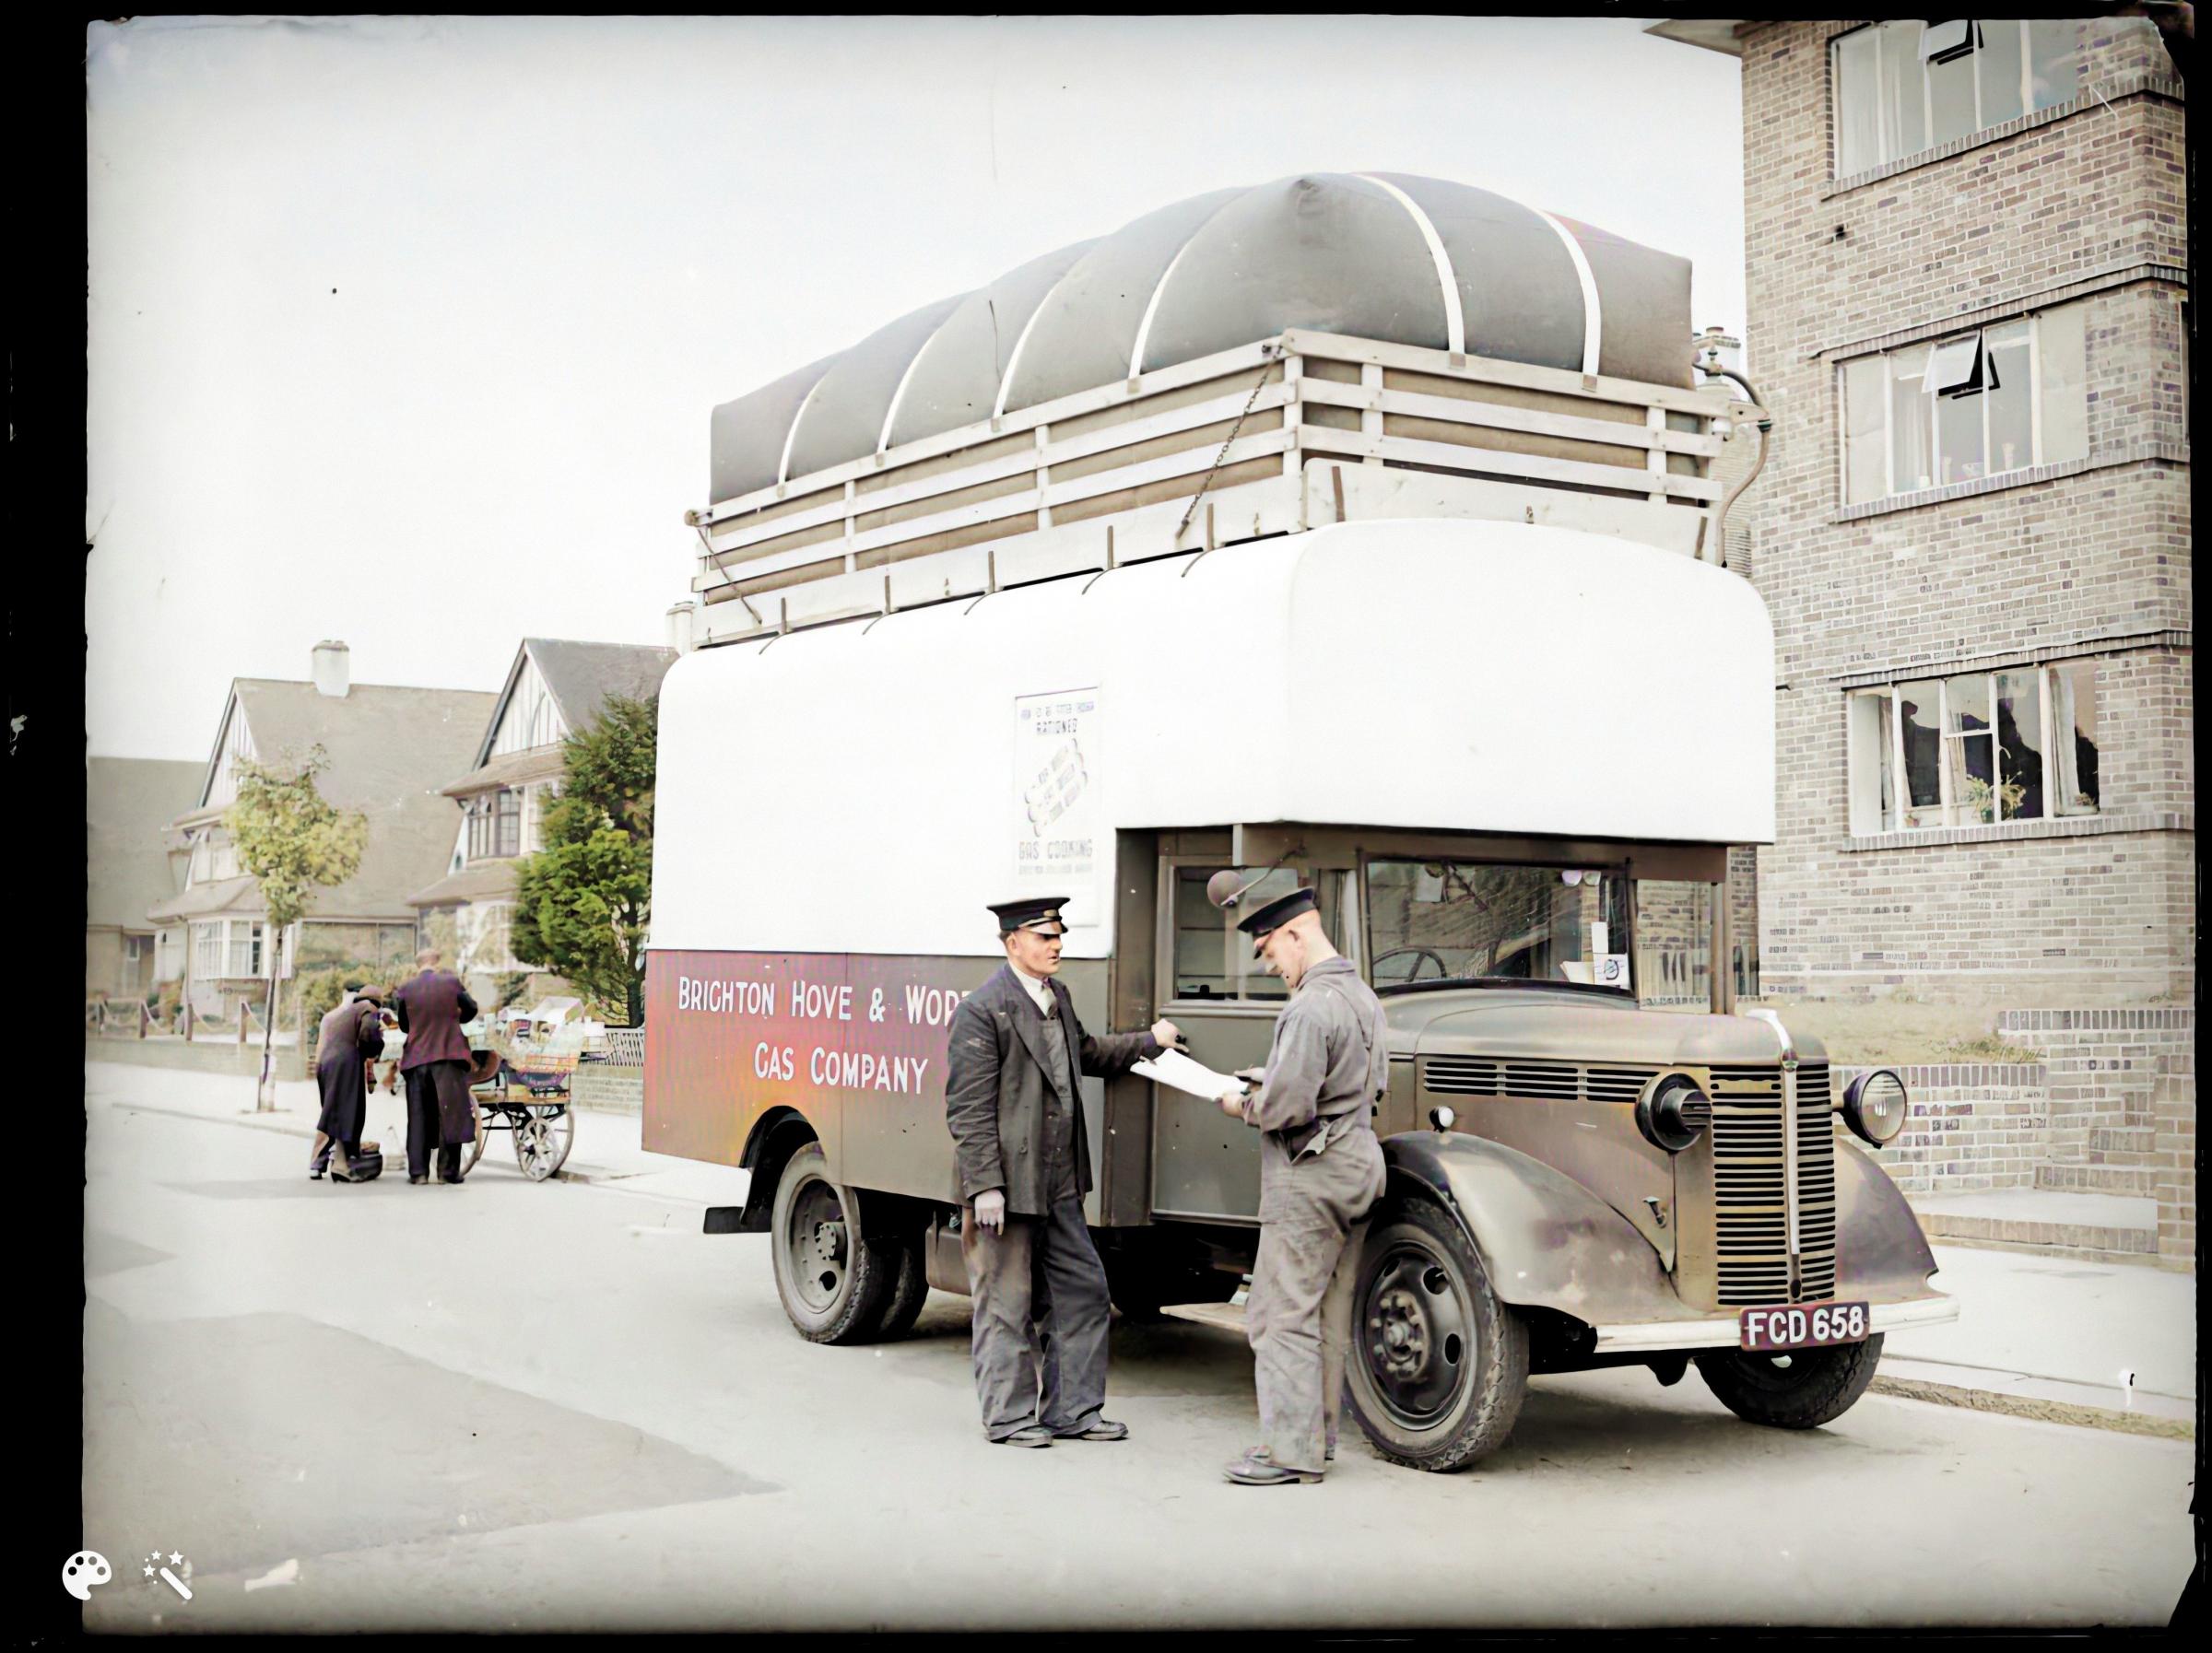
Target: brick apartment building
1966,251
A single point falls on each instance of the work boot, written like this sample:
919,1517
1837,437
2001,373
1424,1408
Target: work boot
1257,1468
1028,1434
1104,1429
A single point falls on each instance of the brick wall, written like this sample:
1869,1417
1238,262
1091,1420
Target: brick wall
1971,1125
204,1056
2123,1107
607,1087
2084,202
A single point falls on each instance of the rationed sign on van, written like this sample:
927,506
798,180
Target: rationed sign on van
768,1028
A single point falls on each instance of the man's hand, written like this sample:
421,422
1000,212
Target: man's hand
1232,1103
1165,1034
990,1210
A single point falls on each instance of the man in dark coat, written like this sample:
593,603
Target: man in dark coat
1013,1101
434,1067
349,1036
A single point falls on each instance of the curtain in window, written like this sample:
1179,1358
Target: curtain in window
1858,103
1866,461
1904,88
2052,57
1911,425
2074,734
2063,389
1998,64
2011,399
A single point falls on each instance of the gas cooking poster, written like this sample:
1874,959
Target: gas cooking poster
1060,840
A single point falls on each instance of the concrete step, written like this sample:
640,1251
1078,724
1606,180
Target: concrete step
2130,1181
2060,1221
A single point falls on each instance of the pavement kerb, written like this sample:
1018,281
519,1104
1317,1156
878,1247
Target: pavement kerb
2032,1406
284,1122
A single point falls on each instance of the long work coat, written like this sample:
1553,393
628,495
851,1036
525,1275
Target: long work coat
431,1008
349,1035
996,1089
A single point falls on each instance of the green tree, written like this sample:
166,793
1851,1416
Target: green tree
582,903
293,843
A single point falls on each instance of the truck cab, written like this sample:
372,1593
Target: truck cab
1453,646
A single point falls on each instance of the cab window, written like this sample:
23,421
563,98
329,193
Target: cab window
1445,920
1210,958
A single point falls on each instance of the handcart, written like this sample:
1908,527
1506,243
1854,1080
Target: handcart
538,1117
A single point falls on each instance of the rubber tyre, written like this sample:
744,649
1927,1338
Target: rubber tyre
1483,1401
910,1288
1817,1386
850,1310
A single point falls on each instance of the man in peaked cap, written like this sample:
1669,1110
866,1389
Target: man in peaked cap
1013,1101
1328,1065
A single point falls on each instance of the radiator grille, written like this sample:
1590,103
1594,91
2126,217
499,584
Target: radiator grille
1751,1218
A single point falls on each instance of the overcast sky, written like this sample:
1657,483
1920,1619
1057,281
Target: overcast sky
406,331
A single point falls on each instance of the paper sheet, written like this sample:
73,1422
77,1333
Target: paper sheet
1173,1068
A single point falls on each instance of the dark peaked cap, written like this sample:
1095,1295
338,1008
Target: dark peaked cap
1034,913
1276,914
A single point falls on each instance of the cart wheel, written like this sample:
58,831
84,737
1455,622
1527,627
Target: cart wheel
475,1148
544,1133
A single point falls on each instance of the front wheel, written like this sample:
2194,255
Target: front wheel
1802,1389
832,1283
1438,1366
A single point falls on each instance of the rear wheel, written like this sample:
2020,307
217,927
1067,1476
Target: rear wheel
1438,1366
1802,1389
833,1285
910,1286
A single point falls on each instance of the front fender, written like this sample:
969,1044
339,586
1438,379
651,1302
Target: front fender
1881,1254
1544,1240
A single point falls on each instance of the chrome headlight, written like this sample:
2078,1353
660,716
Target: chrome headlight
1673,1112
1873,1106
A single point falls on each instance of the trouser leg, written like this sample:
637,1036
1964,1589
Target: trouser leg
449,1161
1336,1328
999,1292
1072,1307
422,1120
1296,1259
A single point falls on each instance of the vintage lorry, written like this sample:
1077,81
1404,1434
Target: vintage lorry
1356,532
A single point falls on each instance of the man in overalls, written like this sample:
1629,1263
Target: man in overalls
1321,1171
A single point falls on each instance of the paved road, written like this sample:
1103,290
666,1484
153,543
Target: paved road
541,1406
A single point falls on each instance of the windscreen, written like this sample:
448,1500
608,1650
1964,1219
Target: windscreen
1457,921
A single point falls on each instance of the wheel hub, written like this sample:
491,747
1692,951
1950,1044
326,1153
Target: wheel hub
1418,1334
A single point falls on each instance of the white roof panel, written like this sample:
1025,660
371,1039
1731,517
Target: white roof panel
853,789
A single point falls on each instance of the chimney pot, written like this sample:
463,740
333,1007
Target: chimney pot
681,618
332,668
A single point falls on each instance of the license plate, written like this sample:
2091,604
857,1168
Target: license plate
1802,1326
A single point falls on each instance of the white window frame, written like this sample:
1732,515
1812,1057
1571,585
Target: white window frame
1885,120
1951,811
1890,490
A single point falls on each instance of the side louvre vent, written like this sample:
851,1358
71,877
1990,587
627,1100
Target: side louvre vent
1480,1076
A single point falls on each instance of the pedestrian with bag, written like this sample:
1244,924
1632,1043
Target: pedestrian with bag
347,1038
1013,1102
1320,1173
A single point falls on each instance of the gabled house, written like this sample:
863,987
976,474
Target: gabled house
554,687
132,861
389,748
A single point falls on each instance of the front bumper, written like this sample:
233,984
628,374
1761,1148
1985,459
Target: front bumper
1665,1335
